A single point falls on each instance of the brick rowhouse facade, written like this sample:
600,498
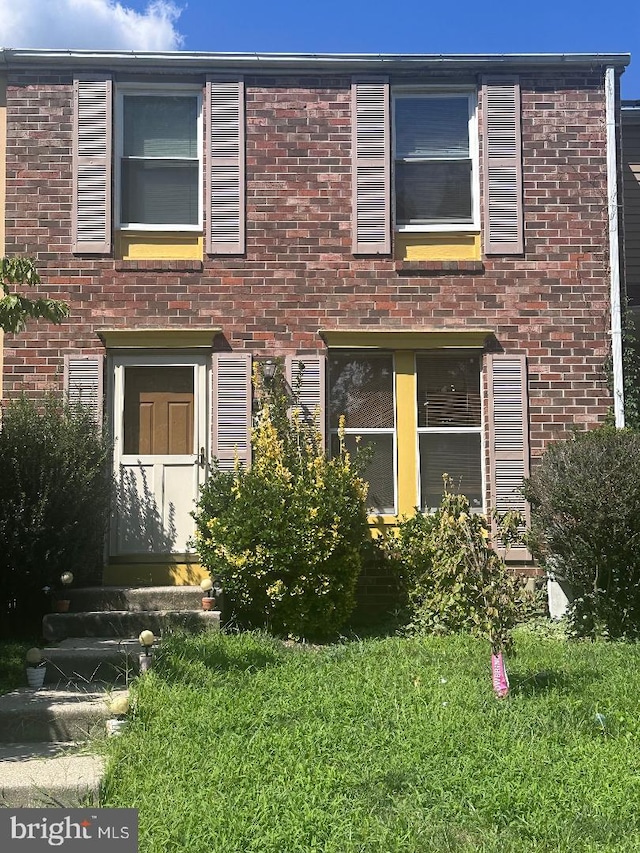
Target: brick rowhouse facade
298,273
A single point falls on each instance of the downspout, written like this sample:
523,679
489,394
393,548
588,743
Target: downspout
614,247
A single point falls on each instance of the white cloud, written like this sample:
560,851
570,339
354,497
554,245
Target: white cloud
89,24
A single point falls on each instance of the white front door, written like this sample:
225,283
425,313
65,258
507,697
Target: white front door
160,431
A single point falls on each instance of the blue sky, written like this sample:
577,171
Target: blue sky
333,26
418,26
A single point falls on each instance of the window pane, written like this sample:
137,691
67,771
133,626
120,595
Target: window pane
432,127
158,410
448,390
361,389
157,193
455,455
160,126
435,191
379,472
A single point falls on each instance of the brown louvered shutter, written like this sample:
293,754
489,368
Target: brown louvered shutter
225,166
306,377
231,409
92,122
371,166
508,437
502,166
83,383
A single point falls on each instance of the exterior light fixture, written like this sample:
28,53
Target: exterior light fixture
269,370
146,640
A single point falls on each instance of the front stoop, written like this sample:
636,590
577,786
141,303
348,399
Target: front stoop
37,775
97,653
59,714
126,623
83,660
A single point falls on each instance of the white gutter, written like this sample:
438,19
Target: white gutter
614,247
194,60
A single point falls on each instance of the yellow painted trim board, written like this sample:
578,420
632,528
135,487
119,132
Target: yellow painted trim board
158,338
414,339
153,574
438,247
144,246
405,373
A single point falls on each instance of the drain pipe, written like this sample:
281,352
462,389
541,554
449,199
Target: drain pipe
614,246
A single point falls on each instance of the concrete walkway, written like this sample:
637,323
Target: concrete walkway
48,737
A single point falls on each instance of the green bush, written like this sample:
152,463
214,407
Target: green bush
585,502
285,537
55,491
454,579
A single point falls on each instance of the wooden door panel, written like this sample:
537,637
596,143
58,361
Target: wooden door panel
180,426
146,428
158,411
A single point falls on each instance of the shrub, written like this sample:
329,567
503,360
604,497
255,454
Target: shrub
285,537
54,500
585,501
454,579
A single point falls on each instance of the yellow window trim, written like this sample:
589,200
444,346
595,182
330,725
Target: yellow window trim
158,338
441,246
154,246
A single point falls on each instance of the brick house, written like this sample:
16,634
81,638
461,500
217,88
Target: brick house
429,236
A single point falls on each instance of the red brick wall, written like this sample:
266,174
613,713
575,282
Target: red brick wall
299,275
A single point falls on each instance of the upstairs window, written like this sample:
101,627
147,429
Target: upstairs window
160,175
435,161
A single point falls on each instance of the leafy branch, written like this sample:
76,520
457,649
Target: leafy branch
15,309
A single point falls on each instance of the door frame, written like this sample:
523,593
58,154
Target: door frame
118,361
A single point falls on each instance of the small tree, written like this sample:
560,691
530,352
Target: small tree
15,309
455,579
286,536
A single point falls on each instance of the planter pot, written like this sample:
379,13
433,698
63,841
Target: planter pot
115,727
208,603
35,676
62,605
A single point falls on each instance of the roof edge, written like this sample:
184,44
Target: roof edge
311,61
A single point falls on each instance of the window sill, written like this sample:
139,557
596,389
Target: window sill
438,267
158,266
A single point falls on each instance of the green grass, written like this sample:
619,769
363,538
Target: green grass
239,744
12,664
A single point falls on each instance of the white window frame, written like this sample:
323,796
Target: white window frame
127,90
443,92
393,431
455,430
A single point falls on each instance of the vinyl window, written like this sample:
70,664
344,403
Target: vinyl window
435,160
159,170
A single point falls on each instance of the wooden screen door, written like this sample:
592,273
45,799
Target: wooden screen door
161,451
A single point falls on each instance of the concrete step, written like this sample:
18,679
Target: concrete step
126,623
35,775
106,660
69,714
134,598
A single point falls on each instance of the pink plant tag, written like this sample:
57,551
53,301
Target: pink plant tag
499,676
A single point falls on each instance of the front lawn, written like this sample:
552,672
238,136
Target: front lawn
243,745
